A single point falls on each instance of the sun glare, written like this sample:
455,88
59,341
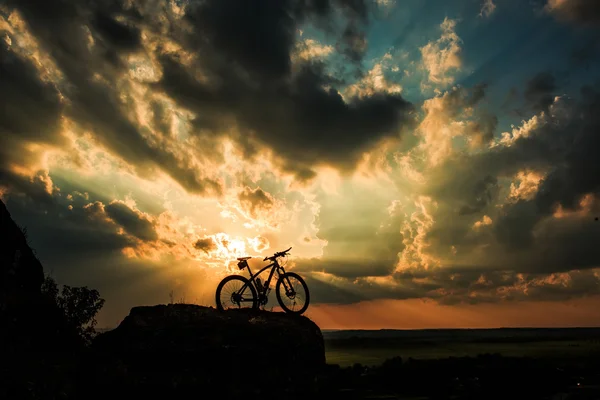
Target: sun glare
227,248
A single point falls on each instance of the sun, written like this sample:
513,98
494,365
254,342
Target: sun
228,248
223,249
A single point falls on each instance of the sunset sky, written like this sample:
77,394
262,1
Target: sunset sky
432,163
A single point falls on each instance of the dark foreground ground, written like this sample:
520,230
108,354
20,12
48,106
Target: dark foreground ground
464,364
155,362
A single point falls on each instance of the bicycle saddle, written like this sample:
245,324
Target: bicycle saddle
244,258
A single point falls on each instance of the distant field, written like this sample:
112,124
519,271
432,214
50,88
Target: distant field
373,347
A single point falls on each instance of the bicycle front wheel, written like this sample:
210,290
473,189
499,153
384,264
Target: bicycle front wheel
235,291
292,293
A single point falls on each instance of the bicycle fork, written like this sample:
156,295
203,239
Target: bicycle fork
289,289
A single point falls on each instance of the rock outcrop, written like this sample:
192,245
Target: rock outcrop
21,273
182,349
36,342
28,320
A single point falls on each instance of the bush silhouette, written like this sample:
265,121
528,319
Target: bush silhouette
79,304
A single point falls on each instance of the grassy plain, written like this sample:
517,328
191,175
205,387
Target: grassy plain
371,348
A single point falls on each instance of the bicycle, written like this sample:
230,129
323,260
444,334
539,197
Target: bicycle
255,294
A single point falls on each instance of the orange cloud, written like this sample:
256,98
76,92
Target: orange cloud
441,58
587,205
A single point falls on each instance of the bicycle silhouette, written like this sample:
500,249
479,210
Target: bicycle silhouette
241,291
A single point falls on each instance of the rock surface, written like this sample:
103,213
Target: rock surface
21,273
181,348
36,342
28,320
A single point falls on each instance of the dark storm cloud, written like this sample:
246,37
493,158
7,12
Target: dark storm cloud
30,108
206,244
586,12
255,200
577,284
477,284
356,289
459,98
259,35
296,111
482,130
561,245
564,144
539,92
253,35
30,111
514,225
451,284
494,287
482,194
118,34
68,239
353,43
161,118
301,121
522,236
324,292
134,222
246,55
61,28
458,284
351,267
81,247
580,172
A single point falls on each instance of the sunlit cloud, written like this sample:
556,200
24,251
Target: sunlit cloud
525,185
309,49
585,207
375,81
485,221
448,117
442,57
416,255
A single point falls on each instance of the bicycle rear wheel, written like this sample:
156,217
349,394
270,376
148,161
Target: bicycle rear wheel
235,291
292,293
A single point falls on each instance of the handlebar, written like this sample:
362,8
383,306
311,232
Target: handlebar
278,254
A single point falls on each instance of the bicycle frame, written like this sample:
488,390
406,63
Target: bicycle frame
261,293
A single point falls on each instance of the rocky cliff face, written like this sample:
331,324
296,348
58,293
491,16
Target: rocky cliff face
21,273
35,340
28,321
176,349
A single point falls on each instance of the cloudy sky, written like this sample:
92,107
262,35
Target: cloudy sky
431,162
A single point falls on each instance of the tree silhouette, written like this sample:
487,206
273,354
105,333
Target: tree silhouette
79,304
